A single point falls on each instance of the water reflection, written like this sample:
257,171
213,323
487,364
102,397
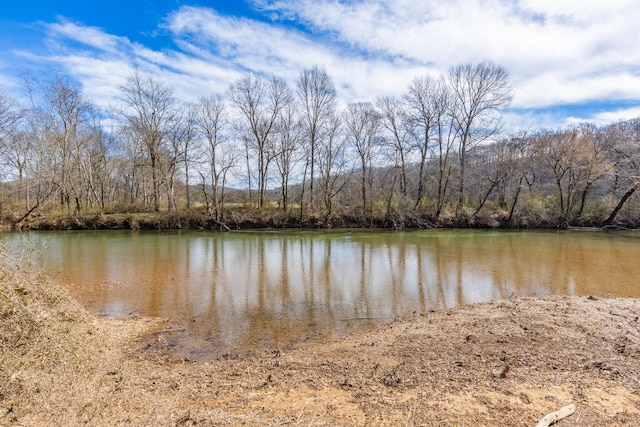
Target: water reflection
237,291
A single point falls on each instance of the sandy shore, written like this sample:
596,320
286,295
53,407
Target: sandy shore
504,363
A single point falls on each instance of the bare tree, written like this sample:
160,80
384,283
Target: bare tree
333,165
90,153
105,158
134,165
317,95
211,120
228,161
286,147
14,144
17,151
395,121
567,163
9,115
491,164
558,153
480,92
362,125
422,117
36,166
149,108
624,152
260,103
595,164
521,167
445,134
181,132
68,127
563,153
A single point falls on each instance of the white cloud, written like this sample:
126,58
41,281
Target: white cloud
542,43
9,83
248,44
608,117
89,36
104,68
274,49
561,88
558,52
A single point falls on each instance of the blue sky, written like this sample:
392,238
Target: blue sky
570,61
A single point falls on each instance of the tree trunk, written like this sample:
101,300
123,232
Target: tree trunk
583,200
486,196
515,199
461,182
620,204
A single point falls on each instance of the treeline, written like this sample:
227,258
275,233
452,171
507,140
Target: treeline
267,153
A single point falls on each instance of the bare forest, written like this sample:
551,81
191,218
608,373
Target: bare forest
270,153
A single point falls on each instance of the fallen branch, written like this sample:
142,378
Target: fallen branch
350,319
554,417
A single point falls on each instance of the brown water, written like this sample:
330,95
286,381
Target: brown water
229,293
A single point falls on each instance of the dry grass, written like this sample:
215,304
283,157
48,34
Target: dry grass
53,352
34,317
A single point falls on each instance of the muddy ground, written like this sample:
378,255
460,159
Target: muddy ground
503,363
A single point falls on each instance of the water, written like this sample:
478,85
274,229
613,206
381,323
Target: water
228,293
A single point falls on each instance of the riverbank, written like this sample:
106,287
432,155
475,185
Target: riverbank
504,363
250,218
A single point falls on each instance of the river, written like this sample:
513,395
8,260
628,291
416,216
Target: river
228,293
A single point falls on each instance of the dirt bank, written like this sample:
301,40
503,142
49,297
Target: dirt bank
246,218
502,363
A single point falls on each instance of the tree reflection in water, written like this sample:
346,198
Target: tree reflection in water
240,291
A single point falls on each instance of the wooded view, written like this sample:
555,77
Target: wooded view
268,154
